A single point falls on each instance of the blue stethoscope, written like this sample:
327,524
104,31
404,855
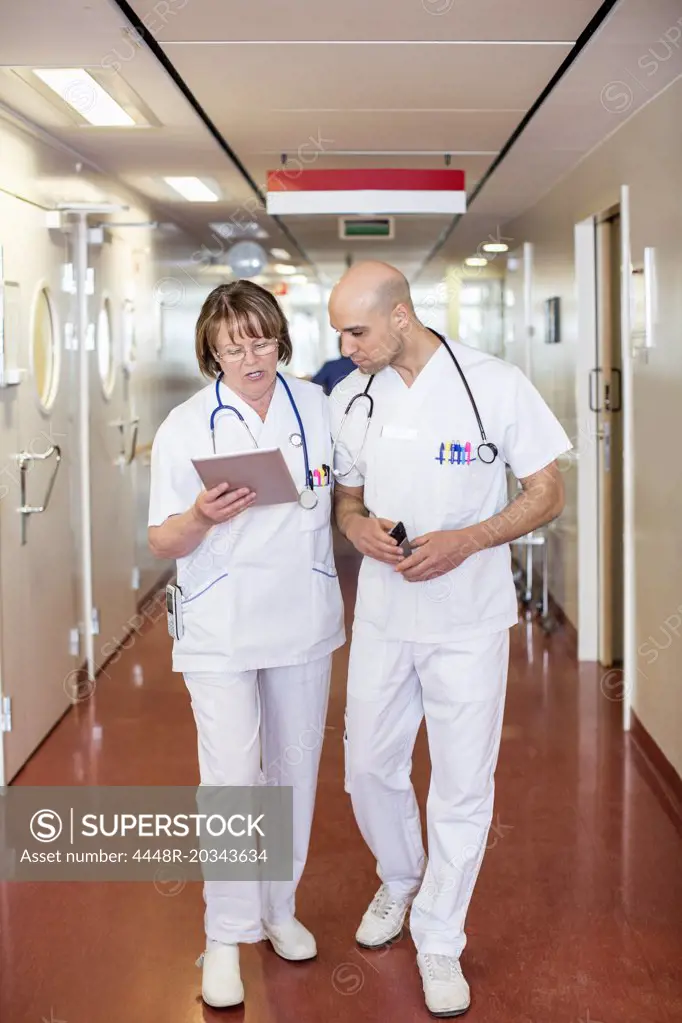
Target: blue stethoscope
307,498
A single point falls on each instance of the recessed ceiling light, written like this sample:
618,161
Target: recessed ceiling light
476,261
280,253
495,247
284,268
86,96
228,230
192,189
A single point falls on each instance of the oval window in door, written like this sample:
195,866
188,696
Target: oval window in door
45,349
105,349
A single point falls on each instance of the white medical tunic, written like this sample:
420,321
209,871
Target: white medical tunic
261,590
419,464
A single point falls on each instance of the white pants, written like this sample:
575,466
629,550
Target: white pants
460,689
257,727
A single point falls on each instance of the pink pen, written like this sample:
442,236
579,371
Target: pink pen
468,452
317,477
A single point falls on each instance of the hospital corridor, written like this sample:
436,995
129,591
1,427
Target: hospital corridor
340,546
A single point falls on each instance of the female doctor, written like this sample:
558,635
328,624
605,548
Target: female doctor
260,600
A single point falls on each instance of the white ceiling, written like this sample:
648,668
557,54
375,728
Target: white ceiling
380,83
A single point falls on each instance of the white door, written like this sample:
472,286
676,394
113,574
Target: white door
112,430
38,591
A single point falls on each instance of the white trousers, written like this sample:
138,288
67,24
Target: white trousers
460,689
260,727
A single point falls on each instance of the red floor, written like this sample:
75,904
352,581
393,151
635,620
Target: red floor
577,915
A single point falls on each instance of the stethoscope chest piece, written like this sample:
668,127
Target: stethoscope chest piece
295,440
308,499
487,452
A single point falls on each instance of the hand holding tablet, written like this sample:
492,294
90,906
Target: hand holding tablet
263,471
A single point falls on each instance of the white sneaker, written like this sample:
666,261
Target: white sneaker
221,984
383,919
445,989
291,940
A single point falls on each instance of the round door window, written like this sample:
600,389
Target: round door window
105,348
45,350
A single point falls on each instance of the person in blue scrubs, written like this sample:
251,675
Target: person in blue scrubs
332,372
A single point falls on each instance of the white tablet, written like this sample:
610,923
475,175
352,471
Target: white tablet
263,470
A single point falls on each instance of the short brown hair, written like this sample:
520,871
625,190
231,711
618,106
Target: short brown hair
246,309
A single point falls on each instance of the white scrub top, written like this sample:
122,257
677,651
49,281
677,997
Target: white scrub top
412,472
261,590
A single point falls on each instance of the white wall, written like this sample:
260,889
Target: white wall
646,154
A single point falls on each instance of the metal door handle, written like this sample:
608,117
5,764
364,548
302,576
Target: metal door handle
24,458
594,375
125,458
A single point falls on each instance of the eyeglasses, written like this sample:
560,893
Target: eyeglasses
235,353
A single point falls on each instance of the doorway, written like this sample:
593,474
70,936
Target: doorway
606,400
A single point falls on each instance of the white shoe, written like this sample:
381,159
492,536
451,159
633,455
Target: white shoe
383,919
445,989
221,984
291,940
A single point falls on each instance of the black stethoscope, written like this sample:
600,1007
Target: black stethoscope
307,498
486,451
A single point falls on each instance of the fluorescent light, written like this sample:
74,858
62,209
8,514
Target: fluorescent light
298,279
192,189
284,268
239,230
86,96
280,253
495,247
476,261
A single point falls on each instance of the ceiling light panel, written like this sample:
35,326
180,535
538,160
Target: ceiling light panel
231,231
82,93
193,189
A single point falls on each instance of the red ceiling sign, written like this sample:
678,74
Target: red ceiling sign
355,191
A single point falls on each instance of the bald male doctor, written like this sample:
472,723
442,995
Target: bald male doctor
431,428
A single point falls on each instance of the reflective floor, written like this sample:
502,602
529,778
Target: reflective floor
577,915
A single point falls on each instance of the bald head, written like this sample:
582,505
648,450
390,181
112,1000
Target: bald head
372,310
374,285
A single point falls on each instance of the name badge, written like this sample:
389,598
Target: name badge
398,432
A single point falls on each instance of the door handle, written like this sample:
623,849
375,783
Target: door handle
127,457
594,379
24,458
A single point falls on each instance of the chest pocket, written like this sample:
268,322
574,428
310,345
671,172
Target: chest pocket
319,516
319,457
464,484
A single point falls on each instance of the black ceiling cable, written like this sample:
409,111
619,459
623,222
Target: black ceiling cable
581,42
143,32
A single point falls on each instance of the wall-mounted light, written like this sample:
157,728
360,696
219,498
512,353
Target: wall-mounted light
650,298
476,261
644,303
495,247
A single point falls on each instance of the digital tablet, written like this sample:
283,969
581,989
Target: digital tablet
263,470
